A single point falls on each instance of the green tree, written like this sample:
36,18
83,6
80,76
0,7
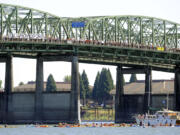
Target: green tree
51,84
96,87
105,85
110,80
0,83
21,83
133,78
84,83
123,80
67,79
82,90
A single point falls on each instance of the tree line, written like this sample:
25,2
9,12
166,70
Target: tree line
102,86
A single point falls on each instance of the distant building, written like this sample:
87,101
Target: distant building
30,86
162,93
138,88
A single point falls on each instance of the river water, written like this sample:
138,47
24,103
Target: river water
22,130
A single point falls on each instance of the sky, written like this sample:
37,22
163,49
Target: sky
25,69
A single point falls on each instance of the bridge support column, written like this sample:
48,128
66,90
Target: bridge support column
119,99
39,90
8,110
75,92
177,89
148,88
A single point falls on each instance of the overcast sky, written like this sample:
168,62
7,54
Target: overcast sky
24,69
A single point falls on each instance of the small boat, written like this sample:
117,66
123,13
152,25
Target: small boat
160,118
165,117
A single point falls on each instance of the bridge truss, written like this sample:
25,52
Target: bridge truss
111,39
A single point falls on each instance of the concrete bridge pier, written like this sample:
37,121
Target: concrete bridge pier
75,92
119,99
177,89
39,90
7,107
121,110
148,89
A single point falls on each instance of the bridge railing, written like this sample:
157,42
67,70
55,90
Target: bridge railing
41,39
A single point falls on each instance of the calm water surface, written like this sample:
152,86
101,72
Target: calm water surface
91,131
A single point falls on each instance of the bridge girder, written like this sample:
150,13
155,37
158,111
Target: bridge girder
94,54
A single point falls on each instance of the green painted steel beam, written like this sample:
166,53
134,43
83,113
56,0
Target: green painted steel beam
164,24
176,37
16,20
141,32
1,22
133,55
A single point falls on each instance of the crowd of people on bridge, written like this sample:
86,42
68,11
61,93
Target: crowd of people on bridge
123,44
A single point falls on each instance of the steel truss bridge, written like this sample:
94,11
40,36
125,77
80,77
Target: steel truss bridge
128,40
